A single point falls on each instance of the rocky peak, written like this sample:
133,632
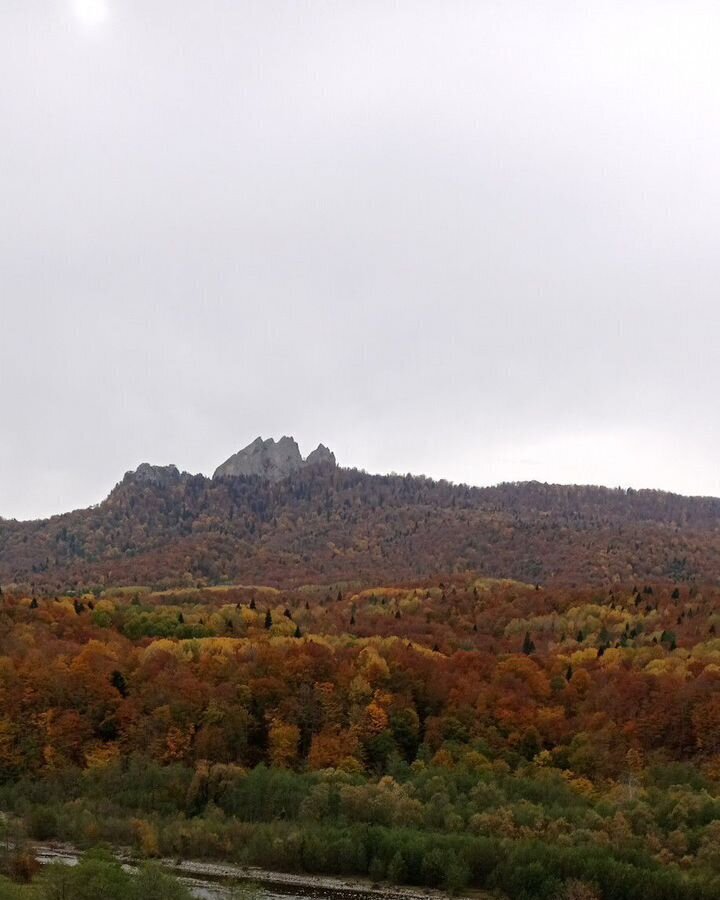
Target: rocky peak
272,460
321,454
149,474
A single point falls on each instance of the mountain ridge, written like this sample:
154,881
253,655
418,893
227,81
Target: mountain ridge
322,522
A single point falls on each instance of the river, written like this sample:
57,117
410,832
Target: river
210,881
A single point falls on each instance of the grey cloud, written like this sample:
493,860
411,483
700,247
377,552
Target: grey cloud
472,239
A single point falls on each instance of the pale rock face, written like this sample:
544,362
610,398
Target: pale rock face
272,460
321,454
158,475
265,458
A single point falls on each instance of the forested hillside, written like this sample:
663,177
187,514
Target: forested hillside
274,671
164,528
556,744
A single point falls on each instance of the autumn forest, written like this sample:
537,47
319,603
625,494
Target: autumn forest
537,717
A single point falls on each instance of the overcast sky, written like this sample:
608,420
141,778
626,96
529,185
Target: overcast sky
474,240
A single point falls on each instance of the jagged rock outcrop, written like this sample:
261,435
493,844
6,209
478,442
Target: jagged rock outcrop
158,475
272,460
321,454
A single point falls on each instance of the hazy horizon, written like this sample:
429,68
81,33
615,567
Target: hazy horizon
305,450
476,241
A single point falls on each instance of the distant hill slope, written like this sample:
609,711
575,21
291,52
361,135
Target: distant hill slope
327,524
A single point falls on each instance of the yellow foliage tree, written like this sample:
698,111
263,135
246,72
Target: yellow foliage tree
284,741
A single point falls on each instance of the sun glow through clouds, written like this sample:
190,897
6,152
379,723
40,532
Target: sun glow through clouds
91,13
